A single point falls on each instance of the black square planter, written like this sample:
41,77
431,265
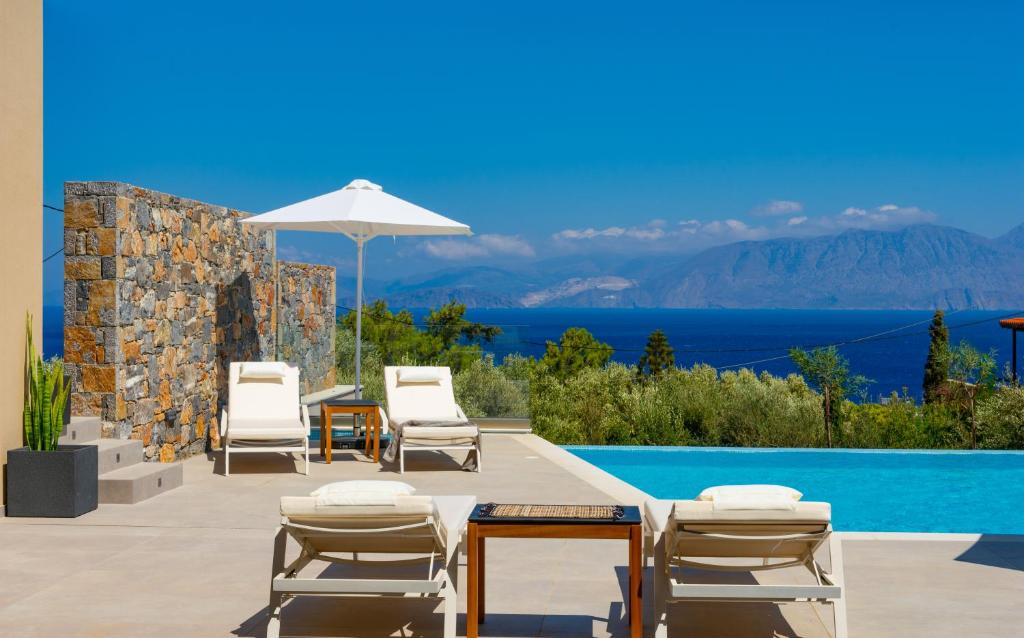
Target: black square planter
63,483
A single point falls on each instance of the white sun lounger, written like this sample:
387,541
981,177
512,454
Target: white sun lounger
423,416
693,534
263,413
415,529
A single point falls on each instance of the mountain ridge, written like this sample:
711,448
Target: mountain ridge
915,267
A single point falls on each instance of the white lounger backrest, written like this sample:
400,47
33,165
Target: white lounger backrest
429,401
260,398
698,530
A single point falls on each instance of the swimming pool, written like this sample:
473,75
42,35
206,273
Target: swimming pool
870,490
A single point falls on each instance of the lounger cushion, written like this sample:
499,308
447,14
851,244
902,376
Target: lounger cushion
445,433
418,374
263,370
265,429
404,506
704,511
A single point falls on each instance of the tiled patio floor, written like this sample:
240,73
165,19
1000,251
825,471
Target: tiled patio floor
196,561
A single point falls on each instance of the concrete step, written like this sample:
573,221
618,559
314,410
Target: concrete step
117,453
140,481
82,429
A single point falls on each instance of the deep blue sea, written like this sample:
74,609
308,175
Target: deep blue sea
758,338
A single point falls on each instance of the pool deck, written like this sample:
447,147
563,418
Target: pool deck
196,560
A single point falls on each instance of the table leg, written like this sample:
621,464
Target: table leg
376,435
321,430
329,444
367,432
473,576
481,581
636,566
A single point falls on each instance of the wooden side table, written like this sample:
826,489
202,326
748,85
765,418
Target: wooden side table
355,407
483,526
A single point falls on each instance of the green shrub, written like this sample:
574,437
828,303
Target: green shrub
484,389
1001,419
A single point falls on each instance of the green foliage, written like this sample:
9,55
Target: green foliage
936,366
484,389
829,371
574,395
681,407
575,351
1001,419
448,340
658,356
45,397
972,376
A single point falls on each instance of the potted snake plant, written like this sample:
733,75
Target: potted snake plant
47,478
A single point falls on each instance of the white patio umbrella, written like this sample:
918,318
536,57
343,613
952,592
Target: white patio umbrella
360,211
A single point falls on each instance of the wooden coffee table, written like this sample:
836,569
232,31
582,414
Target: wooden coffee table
369,409
483,524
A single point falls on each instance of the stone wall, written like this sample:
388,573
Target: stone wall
305,322
160,294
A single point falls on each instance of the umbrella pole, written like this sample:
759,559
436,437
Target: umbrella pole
359,316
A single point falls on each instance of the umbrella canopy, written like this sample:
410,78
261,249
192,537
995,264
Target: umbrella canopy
361,211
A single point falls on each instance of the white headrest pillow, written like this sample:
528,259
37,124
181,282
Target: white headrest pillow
418,375
726,492
361,493
263,370
393,488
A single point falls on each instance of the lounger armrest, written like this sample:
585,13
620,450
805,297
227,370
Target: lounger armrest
656,515
305,417
385,424
224,422
451,514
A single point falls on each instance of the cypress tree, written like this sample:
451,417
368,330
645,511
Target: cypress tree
936,367
658,355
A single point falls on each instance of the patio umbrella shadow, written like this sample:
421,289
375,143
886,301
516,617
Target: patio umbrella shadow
996,550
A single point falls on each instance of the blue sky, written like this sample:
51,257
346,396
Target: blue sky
549,127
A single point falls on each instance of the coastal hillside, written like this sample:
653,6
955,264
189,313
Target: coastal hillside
917,267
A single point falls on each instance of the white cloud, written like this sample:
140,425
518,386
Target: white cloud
796,221
883,217
479,246
778,207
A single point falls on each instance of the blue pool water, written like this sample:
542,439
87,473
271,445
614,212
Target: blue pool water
870,491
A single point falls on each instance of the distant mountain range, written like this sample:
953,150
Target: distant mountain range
917,267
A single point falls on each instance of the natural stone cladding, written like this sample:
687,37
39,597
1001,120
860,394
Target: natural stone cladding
305,312
161,293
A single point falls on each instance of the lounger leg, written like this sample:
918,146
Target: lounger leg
307,456
451,599
401,459
276,599
479,457
835,559
227,459
660,586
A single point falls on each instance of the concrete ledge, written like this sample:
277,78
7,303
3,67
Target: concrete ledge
607,483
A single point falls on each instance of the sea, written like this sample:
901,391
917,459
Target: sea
887,346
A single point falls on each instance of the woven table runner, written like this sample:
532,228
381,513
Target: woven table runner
590,512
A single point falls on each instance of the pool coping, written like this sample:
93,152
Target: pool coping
806,450
630,495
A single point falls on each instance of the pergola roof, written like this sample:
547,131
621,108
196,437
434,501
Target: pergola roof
1014,323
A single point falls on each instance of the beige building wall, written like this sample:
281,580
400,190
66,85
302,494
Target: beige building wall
21,202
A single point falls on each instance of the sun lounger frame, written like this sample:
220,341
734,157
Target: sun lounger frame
441,585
